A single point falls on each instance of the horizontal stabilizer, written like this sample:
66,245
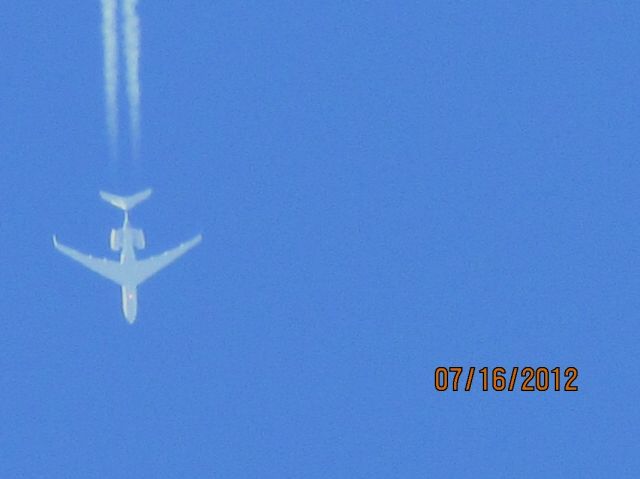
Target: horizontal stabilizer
125,203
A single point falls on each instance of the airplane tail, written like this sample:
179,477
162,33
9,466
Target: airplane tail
125,203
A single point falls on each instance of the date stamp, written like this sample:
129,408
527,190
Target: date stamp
498,379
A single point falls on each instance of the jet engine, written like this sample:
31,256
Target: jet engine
116,240
138,239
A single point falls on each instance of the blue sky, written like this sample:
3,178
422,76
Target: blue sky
382,187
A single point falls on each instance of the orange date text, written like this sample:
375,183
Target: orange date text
527,379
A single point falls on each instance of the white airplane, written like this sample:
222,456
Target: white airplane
129,272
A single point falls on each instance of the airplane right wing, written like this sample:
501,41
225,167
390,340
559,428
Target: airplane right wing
145,268
105,267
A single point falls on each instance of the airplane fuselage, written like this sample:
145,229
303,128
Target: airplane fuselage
128,260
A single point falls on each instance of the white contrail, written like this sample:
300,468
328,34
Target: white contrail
110,44
132,55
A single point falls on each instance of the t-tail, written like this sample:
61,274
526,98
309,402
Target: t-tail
126,203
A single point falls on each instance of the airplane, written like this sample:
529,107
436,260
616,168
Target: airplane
129,272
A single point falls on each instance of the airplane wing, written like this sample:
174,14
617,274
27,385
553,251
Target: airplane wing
105,267
145,268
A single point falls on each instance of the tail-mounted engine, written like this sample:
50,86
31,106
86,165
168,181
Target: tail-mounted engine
116,240
135,236
138,239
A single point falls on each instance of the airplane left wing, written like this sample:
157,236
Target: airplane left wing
108,268
145,268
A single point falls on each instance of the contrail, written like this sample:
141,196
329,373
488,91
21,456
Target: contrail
132,55
110,43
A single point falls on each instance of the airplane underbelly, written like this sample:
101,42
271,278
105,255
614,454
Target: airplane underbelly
129,303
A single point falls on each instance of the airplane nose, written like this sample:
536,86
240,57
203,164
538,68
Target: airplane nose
129,304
